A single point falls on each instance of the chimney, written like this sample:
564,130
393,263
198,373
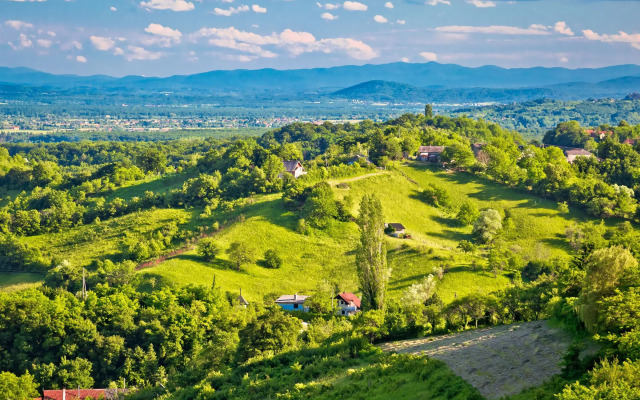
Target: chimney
295,296
64,394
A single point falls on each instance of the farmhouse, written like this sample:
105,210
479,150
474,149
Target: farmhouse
81,394
631,142
295,168
397,228
348,303
572,154
430,153
292,302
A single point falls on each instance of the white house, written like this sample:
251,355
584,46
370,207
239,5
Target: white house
295,168
572,154
348,303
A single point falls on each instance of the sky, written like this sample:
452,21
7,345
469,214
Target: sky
176,37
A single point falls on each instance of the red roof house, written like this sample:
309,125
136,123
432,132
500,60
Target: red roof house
349,303
81,394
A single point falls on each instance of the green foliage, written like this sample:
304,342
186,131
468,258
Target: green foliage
320,206
467,246
606,269
240,253
208,249
468,213
17,387
271,333
436,196
487,226
272,259
371,254
608,381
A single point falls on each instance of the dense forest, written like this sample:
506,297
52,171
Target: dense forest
534,118
199,342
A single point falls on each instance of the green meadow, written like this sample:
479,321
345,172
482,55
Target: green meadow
14,281
328,254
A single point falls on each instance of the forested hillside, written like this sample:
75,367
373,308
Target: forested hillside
534,118
166,234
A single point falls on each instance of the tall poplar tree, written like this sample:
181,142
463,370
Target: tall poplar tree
371,254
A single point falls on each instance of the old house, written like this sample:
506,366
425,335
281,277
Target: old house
631,142
396,229
348,303
430,153
294,167
572,154
292,302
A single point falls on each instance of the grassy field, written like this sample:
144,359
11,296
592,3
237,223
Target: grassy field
329,254
11,282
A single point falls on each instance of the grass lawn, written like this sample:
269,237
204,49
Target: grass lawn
14,281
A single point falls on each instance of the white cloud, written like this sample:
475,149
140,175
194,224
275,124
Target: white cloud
102,43
44,43
112,8
429,56
329,6
482,4
495,29
401,22
380,19
436,2
354,6
141,54
621,37
564,59
161,36
328,16
561,27
173,5
405,59
17,25
257,9
81,59
388,4
25,41
232,10
295,43
159,30
51,33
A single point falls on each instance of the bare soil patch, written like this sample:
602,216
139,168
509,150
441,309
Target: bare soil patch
500,361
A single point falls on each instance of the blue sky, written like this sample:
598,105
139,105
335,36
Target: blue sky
168,37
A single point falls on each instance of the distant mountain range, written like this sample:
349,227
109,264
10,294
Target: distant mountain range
387,82
383,91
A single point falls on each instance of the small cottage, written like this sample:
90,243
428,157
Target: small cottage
295,168
396,229
572,154
292,302
348,303
430,153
